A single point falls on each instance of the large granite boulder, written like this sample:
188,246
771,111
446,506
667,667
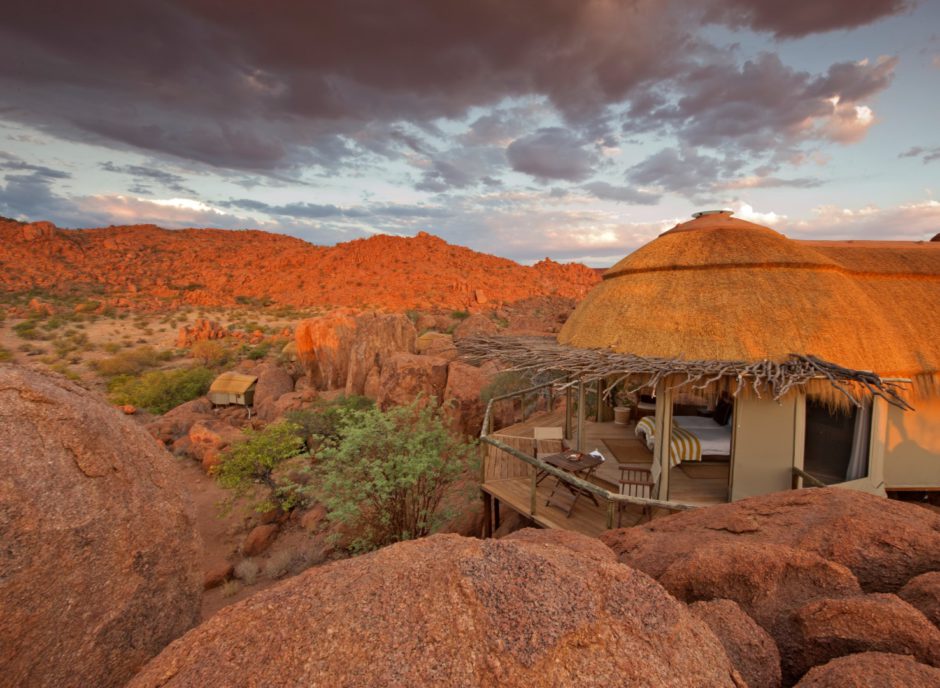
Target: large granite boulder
404,377
826,629
872,670
465,383
923,592
749,647
884,542
273,383
454,611
323,347
378,336
99,561
177,422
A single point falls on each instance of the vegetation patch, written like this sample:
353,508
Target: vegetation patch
158,391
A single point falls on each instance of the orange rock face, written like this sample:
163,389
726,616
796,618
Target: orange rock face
148,267
99,561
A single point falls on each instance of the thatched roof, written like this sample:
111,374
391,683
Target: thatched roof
721,289
233,383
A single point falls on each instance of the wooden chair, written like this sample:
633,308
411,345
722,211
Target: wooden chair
638,482
548,440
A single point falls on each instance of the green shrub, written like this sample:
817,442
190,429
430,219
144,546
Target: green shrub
27,330
460,315
323,421
159,391
132,362
5,355
258,352
254,461
507,383
209,352
387,474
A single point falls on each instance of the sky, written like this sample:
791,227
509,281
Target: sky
570,129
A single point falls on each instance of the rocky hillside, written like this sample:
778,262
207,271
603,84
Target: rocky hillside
149,267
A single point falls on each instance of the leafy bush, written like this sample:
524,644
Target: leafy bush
159,391
258,352
209,352
387,475
254,461
460,315
507,383
5,355
132,362
323,421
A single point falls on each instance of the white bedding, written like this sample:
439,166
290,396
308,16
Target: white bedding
708,438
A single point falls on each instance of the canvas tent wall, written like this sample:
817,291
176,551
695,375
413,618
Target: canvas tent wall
233,388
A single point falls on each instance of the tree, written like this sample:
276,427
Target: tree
209,352
387,473
159,391
256,459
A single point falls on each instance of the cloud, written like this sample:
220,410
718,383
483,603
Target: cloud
237,86
623,194
798,18
552,153
12,163
758,182
683,171
917,221
926,154
142,175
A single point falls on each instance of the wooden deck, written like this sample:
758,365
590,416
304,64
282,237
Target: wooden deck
508,479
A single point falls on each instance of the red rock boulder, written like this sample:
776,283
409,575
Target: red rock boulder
177,422
404,377
200,331
209,438
826,629
923,593
100,564
749,647
872,670
884,542
378,337
453,611
259,539
273,383
465,383
436,344
476,324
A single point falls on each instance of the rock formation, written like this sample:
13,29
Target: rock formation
923,593
884,543
872,670
99,567
752,651
538,610
148,267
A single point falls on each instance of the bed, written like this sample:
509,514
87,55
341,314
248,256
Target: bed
692,437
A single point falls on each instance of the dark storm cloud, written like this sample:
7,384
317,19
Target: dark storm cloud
796,18
763,104
242,85
926,154
552,153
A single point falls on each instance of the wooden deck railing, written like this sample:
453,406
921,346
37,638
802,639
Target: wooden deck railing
537,467
803,479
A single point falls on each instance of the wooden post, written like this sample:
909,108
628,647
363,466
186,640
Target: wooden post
582,410
568,404
522,401
533,498
495,514
610,514
487,515
600,393
662,448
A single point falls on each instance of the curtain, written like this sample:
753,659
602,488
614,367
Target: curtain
858,460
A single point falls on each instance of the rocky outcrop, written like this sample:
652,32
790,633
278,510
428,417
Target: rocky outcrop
99,567
273,383
826,629
177,422
462,394
378,336
209,438
436,344
872,670
323,346
145,266
474,325
768,581
453,611
885,543
752,651
404,377
200,331
923,592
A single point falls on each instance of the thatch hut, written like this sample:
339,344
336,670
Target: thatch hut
233,388
828,350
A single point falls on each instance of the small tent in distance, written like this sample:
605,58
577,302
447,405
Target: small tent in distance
233,388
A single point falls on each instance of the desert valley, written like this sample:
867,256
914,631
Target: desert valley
506,343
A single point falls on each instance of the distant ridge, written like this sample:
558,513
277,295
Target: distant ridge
149,267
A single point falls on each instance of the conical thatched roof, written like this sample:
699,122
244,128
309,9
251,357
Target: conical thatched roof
720,288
